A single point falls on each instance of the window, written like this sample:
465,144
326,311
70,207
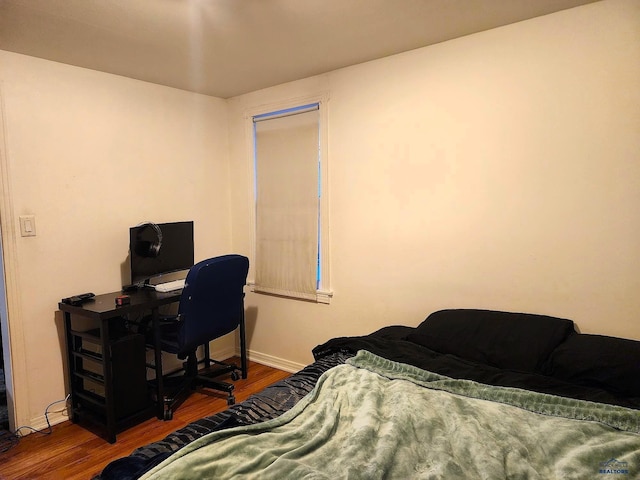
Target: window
290,227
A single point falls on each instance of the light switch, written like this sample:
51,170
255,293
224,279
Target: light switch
28,225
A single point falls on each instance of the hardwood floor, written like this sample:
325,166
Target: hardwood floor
71,452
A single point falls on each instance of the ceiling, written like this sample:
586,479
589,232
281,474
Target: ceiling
230,47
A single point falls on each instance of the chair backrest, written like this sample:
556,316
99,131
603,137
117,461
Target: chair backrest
212,301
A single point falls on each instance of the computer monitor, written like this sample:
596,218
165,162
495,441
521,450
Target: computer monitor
159,249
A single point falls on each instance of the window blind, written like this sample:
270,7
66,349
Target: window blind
286,162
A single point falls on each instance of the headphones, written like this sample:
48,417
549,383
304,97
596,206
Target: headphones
145,248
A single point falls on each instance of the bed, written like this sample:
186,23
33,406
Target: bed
466,394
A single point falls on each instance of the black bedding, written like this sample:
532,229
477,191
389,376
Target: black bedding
409,345
393,343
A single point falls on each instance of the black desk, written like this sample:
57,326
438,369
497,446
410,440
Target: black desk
113,352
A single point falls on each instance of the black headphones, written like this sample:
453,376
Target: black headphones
146,248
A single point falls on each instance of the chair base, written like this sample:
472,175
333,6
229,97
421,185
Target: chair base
194,378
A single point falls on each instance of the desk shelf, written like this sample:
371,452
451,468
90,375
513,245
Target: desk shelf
96,401
87,355
91,376
92,335
107,364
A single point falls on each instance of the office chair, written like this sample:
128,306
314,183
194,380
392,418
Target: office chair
211,305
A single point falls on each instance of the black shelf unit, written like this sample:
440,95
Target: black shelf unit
128,373
107,364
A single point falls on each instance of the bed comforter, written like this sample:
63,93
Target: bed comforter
377,418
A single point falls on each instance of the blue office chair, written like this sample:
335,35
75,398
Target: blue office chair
211,305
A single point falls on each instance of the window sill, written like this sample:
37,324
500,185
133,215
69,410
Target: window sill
321,296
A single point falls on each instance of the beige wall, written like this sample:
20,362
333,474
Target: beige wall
498,171
495,171
90,155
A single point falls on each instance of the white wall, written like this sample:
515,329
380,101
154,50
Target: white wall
495,171
91,154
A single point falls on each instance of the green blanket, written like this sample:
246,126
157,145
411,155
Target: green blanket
373,418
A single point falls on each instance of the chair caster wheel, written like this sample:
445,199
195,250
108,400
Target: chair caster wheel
231,400
235,376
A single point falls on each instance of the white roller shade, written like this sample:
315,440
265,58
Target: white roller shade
287,153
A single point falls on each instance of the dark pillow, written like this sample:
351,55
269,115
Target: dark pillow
610,363
514,341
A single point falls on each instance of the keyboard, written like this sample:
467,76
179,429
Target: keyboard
169,286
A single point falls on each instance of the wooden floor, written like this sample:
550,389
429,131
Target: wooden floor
71,452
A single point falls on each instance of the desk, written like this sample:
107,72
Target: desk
109,409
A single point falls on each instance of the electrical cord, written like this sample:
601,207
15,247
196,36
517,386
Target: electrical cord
11,439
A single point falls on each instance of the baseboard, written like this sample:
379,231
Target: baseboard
274,362
40,423
258,357
223,353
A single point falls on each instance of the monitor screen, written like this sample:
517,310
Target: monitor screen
158,249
